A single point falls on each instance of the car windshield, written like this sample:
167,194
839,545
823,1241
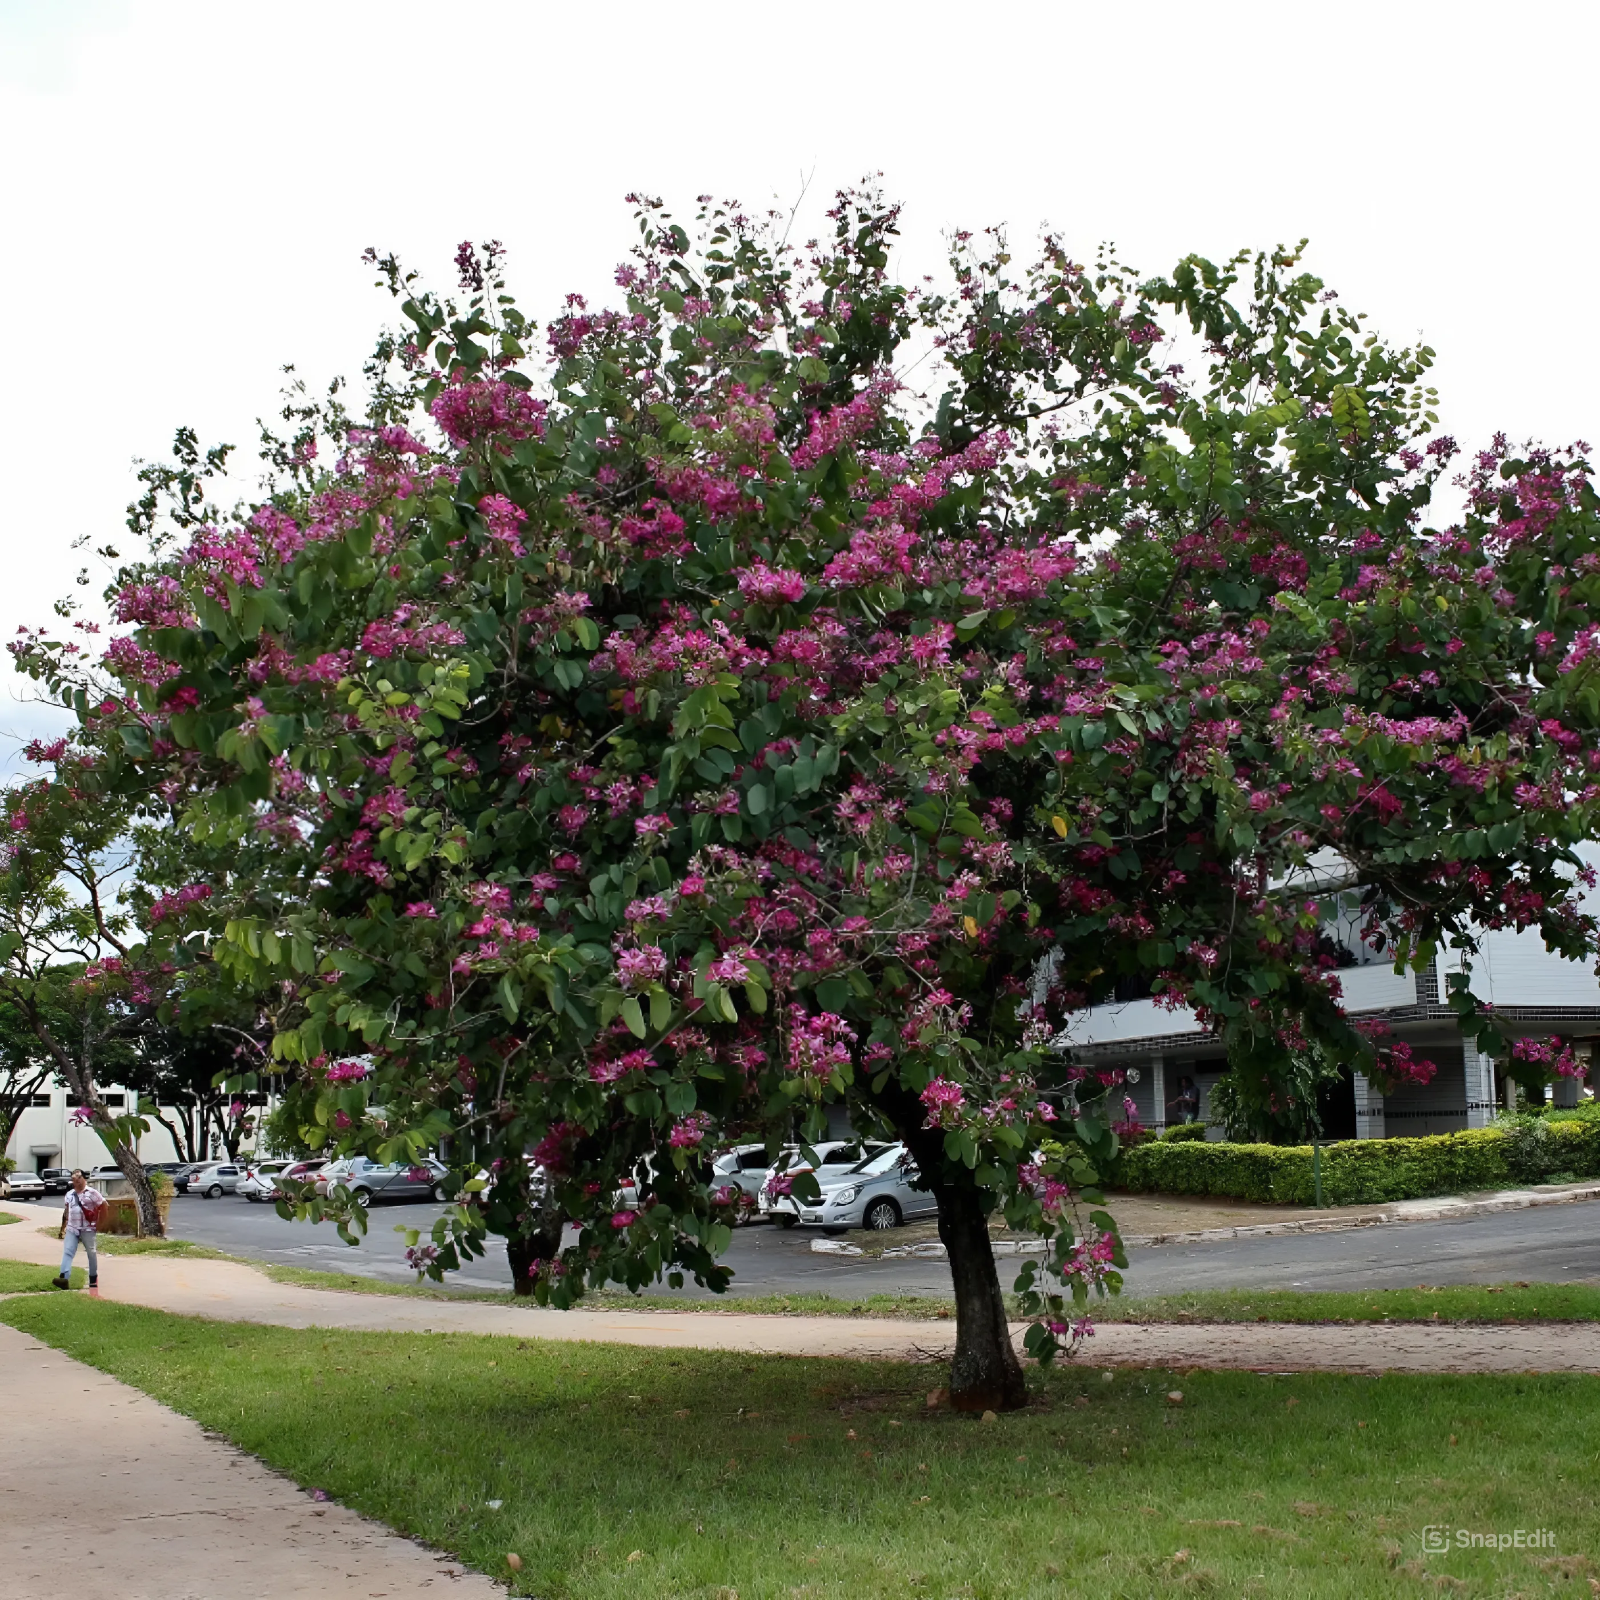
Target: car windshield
848,1154
875,1166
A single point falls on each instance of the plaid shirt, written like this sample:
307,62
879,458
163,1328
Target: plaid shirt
83,1210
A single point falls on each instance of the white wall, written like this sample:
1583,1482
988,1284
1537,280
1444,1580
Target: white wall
42,1127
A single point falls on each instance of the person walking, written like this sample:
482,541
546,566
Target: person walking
80,1218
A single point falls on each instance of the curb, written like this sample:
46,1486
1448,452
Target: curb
1441,1210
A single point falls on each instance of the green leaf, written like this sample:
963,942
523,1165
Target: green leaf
633,1016
833,994
758,799
660,1009
510,993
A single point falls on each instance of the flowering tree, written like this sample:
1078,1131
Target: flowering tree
813,688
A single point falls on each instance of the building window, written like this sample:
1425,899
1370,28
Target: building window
41,1101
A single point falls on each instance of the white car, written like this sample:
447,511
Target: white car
260,1178
21,1185
745,1168
833,1156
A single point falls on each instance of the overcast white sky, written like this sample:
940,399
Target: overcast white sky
186,188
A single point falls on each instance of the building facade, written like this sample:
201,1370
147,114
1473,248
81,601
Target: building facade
1173,1063
47,1136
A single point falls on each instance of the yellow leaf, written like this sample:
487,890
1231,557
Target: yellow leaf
971,925
1060,825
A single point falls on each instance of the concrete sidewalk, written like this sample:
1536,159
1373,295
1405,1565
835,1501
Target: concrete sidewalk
110,1496
233,1292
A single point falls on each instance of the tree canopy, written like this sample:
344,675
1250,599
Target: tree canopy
806,687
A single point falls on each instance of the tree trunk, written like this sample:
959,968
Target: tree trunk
985,1374
541,1241
129,1165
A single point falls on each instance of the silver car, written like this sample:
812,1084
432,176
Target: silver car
368,1180
833,1157
881,1192
220,1178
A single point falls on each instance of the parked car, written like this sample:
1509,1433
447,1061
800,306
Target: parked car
23,1186
259,1179
297,1172
56,1180
880,1192
181,1177
835,1155
220,1178
744,1167
369,1180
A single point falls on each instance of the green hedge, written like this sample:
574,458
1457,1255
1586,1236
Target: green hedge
1366,1171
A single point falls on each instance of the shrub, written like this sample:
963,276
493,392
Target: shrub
1538,1148
1181,1132
1362,1171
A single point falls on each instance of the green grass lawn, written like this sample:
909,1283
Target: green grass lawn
8,1217
22,1277
624,1474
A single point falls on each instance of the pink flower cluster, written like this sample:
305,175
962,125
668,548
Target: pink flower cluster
945,1101
477,408
172,905
819,1046
1556,1054
762,583
690,1132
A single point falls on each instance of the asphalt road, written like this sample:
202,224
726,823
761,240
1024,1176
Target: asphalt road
1541,1244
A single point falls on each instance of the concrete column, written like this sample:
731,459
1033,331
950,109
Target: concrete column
1480,1085
1369,1109
1564,1092
1158,1090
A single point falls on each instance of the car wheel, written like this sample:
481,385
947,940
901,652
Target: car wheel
214,1192
785,1219
882,1215
363,1198
439,1196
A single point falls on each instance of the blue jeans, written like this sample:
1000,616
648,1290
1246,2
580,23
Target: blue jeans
70,1249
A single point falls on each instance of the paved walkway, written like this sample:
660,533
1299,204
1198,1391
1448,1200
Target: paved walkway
110,1496
231,1291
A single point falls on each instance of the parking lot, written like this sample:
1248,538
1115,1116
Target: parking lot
765,1259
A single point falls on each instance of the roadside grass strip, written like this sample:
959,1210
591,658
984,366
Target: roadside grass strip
615,1473
1516,1302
